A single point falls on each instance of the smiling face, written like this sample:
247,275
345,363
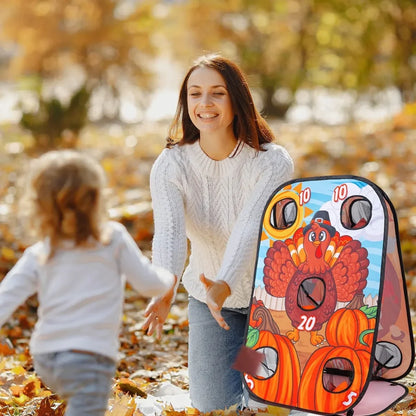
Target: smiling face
209,103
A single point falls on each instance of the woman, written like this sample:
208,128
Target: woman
210,185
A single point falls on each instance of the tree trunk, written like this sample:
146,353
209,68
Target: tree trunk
271,108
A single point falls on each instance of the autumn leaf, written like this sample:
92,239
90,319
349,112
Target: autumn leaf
16,390
18,370
129,386
122,405
32,387
47,408
6,347
7,254
170,411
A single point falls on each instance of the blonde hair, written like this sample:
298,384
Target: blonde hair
65,197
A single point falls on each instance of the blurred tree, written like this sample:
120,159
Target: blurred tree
267,38
54,123
401,15
289,44
360,45
109,39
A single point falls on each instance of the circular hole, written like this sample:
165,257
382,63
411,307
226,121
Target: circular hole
388,355
268,365
338,375
355,212
311,293
283,214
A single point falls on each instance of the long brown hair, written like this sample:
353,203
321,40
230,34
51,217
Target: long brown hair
248,125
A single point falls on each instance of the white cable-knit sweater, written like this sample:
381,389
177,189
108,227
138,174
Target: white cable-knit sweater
81,292
218,205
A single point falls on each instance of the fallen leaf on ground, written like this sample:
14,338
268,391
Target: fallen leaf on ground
127,385
122,405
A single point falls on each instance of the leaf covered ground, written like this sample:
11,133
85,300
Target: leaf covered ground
382,152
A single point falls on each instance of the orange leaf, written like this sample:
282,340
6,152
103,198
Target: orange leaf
122,406
127,385
46,409
16,390
6,347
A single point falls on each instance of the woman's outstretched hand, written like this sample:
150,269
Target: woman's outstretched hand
217,293
157,311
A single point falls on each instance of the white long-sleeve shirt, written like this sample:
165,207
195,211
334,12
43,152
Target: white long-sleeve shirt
81,292
218,205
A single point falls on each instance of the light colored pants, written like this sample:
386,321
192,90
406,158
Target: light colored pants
213,384
83,380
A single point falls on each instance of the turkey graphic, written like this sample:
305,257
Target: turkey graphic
315,285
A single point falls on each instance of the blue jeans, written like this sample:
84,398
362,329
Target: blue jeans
213,384
83,380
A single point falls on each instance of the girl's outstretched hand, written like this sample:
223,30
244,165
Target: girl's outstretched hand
157,311
217,293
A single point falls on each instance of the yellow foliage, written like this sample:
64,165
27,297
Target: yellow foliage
94,34
18,370
406,119
7,254
21,399
122,405
279,411
192,411
410,109
32,386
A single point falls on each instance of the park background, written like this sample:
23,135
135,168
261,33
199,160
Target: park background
336,80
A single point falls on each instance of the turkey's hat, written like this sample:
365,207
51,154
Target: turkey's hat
321,218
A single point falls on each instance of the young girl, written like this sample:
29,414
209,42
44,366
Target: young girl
78,268
211,185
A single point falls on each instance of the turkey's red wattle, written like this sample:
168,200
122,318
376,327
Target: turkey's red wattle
318,252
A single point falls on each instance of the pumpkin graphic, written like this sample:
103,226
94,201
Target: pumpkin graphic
351,328
332,378
334,375
279,374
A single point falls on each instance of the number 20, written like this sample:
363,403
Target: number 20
307,323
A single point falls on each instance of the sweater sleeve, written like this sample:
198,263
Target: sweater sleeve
272,168
18,284
147,279
169,248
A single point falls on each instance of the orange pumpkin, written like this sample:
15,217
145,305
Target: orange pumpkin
315,392
351,328
280,376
